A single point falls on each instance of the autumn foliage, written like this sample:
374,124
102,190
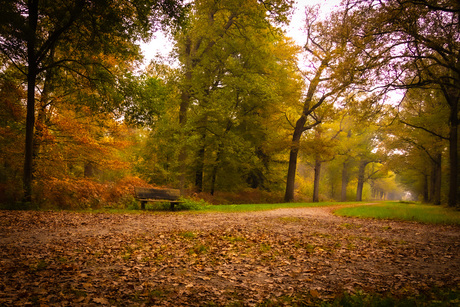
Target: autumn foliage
84,193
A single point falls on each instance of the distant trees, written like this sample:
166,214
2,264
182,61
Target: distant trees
422,50
335,64
420,139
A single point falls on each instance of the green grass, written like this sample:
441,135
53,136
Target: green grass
203,207
432,298
404,211
264,207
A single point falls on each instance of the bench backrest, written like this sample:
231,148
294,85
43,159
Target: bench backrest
155,193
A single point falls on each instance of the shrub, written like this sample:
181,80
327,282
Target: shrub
84,193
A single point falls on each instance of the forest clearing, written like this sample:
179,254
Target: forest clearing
288,256
362,107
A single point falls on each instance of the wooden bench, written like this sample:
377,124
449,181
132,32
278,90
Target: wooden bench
145,195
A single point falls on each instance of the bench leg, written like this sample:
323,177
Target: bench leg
172,205
143,205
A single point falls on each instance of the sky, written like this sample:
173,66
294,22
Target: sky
160,45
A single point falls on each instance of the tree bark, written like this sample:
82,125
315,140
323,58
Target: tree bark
183,110
292,168
30,117
359,190
426,196
343,194
453,152
437,179
316,181
199,169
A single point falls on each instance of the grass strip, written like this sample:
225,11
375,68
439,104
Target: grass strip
404,211
264,207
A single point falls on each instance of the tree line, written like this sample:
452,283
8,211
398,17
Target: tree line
245,109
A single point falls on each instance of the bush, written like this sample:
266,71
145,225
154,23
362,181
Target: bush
247,196
84,193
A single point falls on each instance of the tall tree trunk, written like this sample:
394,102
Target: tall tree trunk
295,144
426,196
30,123
359,190
316,181
215,168
343,194
300,128
453,152
199,169
30,117
437,180
183,109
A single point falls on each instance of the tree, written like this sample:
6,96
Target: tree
237,69
323,148
422,131
422,51
334,65
37,36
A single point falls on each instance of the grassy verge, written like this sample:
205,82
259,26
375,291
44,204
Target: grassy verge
201,206
405,211
264,207
434,297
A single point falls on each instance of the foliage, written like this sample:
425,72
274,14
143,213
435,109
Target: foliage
81,41
12,119
84,193
405,211
421,51
335,67
417,145
236,68
221,123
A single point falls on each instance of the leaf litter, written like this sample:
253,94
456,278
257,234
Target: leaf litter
303,254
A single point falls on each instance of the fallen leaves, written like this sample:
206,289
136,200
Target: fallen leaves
221,259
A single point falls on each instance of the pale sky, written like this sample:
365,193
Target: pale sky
161,45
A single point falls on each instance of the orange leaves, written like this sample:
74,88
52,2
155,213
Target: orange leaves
73,146
74,193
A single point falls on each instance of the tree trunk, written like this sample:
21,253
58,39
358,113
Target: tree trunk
437,182
215,169
453,153
30,123
316,181
183,109
90,169
42,118
359,190
199,170
343,194
30,117
426,195
295,144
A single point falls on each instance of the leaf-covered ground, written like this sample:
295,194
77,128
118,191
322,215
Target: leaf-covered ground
289,256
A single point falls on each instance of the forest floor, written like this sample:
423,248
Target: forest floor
300,256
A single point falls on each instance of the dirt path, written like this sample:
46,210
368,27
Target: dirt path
61,258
